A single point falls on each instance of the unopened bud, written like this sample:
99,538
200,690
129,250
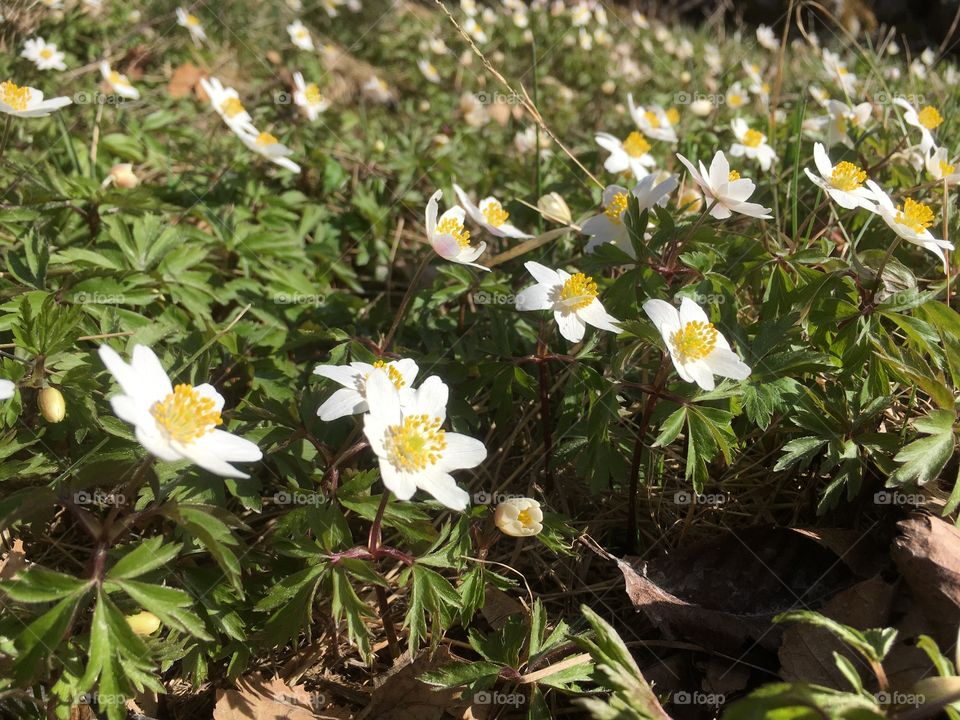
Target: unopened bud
143,623
554,208
51,404
123,176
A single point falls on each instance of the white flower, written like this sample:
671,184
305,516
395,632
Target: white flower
123,176
43,54
519,517
299,35
841,116
632,154
767,38
927,120
736,96
608,226
226,102
428,70
7,389
910,221
192,24
838,71
118,82
697,349
472,28
413,449
752,144
940,168
23,101
351,399
174,423
928,56
725,188
525,142
377,90
843,182
572,298
449,238
309,97
653,121
489,215
263,143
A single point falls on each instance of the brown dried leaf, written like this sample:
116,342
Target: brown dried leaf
184,79
400,695
927,553
257,699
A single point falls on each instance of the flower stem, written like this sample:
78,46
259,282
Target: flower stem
373,542
545,416
6,134
405,303
648,407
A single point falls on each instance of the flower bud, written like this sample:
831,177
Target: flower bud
143,623
701,107
123,176
51,404
519,517
379,146
554,208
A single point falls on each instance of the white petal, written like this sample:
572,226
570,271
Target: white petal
535,297
663,315
401,484
346,375
445,489
543,274
820,159
383,398
724,362
344,401
571,326
595,314
690,312
462,452
431,399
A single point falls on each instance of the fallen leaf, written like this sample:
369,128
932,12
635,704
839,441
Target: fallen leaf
401,696
13,562
257,699
184,79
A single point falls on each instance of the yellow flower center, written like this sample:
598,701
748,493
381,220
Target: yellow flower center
301,34
916,216
184,415
847,176
929,117
946,168
580,289
618,203
842,70
116,78
46,53
495,214
752,138
193,20
694,341
523,517
312,93
673,115
841,121
266,138
635,145
765,88
231,107
735,100
734,175
416,443
453,226
652,119
15,96
395,377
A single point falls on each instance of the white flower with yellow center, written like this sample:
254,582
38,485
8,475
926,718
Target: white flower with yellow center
519,517
927,119
7,389
838,72
653,121
767,38
351,399
377,90
118,82
725,189
633,154
752,144
841,117
843,182
267,145
489,215
697,348
449,238
174,423
939,167
300,36
414,451
226,103
429,70
911,221
525,142
608,226
736,96
309,97
192,24
572,298
23,101
43,54
475,30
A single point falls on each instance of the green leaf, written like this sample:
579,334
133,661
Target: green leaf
40,585
149,555
167,603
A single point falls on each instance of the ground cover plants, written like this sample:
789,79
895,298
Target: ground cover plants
551,359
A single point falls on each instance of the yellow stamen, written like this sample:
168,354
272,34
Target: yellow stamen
580,289
847,176
495,214
752,138
266,138
453,226
184,415
231,107
946,168
735,100
312,94
673,115
416,443
46,53
395,377
929,117
734,175
115,78
635,145
193,20
652,119
916,216
618,203
523,517
694,341
15,96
